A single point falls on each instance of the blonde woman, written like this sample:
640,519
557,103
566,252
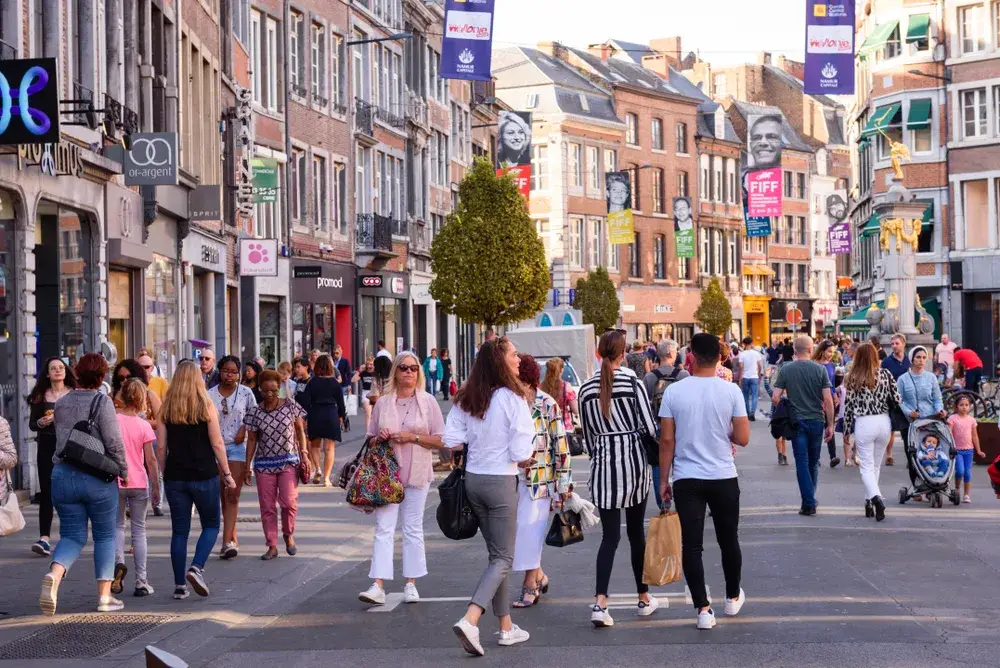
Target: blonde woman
557,388
189,442
410,418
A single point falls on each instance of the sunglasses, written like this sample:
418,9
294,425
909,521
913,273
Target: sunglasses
409,368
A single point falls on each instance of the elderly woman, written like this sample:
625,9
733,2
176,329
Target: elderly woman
410,418
542,488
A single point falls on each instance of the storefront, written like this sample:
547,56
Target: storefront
757,318
163,335
265,317
128,258
780,327
205,286
323,296
655,313
432,327
383,314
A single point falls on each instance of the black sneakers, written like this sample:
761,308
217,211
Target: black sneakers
834,462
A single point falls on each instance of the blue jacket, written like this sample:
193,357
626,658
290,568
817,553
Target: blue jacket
438,373
921,393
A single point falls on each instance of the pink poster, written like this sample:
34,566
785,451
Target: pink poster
764,192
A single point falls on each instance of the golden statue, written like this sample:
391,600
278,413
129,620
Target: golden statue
898,227
897,154
892,301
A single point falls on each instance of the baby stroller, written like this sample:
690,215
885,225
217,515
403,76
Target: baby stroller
930,458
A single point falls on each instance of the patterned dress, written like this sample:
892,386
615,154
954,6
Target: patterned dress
551,474
275,430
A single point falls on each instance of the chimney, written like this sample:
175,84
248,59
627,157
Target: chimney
670,47
602,51
658,63
764,58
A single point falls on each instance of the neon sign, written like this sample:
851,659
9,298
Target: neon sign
29,101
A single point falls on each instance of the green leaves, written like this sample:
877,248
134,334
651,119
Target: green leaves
597,298
489,262
714,314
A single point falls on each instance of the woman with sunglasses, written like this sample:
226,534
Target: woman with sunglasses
410,418
132,369
251,371
232,401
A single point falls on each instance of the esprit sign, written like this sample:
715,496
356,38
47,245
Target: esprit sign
152,160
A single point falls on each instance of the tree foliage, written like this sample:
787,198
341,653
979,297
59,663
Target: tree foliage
714,314
597,298
489,262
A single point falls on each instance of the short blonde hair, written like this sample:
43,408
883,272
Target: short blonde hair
187,400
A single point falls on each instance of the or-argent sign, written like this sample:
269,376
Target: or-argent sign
152,160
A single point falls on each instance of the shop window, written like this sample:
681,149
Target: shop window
120,311
161,315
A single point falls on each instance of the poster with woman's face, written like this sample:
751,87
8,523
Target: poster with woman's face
618,191
514,138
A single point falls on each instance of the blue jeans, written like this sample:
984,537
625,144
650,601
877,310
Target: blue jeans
205,496
78,497
963,466
433,385
807,443
751,393
656,487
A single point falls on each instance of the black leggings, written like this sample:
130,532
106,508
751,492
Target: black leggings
46,450
723,498
611,521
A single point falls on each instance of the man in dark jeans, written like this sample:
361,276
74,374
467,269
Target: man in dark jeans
807,386
701,417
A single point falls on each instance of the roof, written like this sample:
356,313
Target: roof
835,125
631,50
789,137
825,100
617,71
706,126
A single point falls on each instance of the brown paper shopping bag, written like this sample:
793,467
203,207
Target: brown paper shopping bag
662,562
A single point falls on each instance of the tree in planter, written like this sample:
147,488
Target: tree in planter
489,262
714,314
597,298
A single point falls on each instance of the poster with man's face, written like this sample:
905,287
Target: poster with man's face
683,227
764,141
618,191
514,138
836,206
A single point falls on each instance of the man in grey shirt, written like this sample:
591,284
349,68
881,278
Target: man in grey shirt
669,371
807,387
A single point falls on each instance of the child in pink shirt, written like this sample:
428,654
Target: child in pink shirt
963,431
138,437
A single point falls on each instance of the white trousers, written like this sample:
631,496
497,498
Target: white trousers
532,525
871,436
411,514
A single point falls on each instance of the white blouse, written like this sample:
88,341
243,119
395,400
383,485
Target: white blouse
496,443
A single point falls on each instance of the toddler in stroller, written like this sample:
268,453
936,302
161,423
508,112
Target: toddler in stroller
930,458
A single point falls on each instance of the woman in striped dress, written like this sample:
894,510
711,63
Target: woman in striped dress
616,413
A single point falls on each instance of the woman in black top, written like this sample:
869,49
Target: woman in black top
251,370
323,400
366,376
445,373
189,441
56,381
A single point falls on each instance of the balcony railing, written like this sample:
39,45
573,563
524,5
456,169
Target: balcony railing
364,115
7,51
373,232
112,116
130,120
389,118
83,102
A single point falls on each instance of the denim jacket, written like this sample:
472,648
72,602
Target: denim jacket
921,393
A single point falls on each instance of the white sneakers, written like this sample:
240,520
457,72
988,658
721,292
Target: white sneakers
410,593
50,594
109,604
468,635
733,605
512,637
373,595
648,608
600,616
706,619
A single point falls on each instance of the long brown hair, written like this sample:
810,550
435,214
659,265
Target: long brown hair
610,348
864,370
489,373
186,401
552,383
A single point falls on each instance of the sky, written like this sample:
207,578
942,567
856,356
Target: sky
726,32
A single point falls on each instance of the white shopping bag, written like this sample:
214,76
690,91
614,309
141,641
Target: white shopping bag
351,400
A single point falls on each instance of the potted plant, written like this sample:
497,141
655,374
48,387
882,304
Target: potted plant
989,439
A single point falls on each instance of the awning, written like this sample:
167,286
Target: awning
920,115
882,119
873,226
877,39
757,270
862,145
856,323
928,216
918,28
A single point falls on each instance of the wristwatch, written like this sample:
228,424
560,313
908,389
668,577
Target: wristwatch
416,439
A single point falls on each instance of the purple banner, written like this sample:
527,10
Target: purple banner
467,45
840,238
829,67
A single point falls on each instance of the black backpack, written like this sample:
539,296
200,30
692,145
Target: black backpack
662,382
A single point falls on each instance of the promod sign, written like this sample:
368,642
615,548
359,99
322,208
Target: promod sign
467,43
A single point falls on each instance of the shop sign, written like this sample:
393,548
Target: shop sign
62,159
210,254
311,271
371,281
398,285
29,103
322,282
258,257
848,298
244,143
152,160
325,283
628,308
265,180
663,308
957,279
205,203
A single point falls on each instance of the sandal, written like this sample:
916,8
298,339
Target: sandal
889,461
272,553
522,603
544,585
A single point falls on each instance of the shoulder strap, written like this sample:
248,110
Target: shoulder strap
95,407
658,372
676,372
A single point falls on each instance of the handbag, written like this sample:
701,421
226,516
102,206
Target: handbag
454,513
351,405
376,482
565,530
897,418
348,470
84,449
304,470
11,518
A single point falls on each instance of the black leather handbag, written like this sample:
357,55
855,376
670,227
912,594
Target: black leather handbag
454,514
565,530
85,449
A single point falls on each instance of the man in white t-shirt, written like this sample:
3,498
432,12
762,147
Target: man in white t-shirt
944,353
751,370
382,352
702,416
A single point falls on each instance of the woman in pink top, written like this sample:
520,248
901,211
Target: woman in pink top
410,418
138,437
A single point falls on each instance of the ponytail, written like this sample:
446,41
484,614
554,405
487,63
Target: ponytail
611,347
607,387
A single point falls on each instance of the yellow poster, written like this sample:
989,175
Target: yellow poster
620,229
